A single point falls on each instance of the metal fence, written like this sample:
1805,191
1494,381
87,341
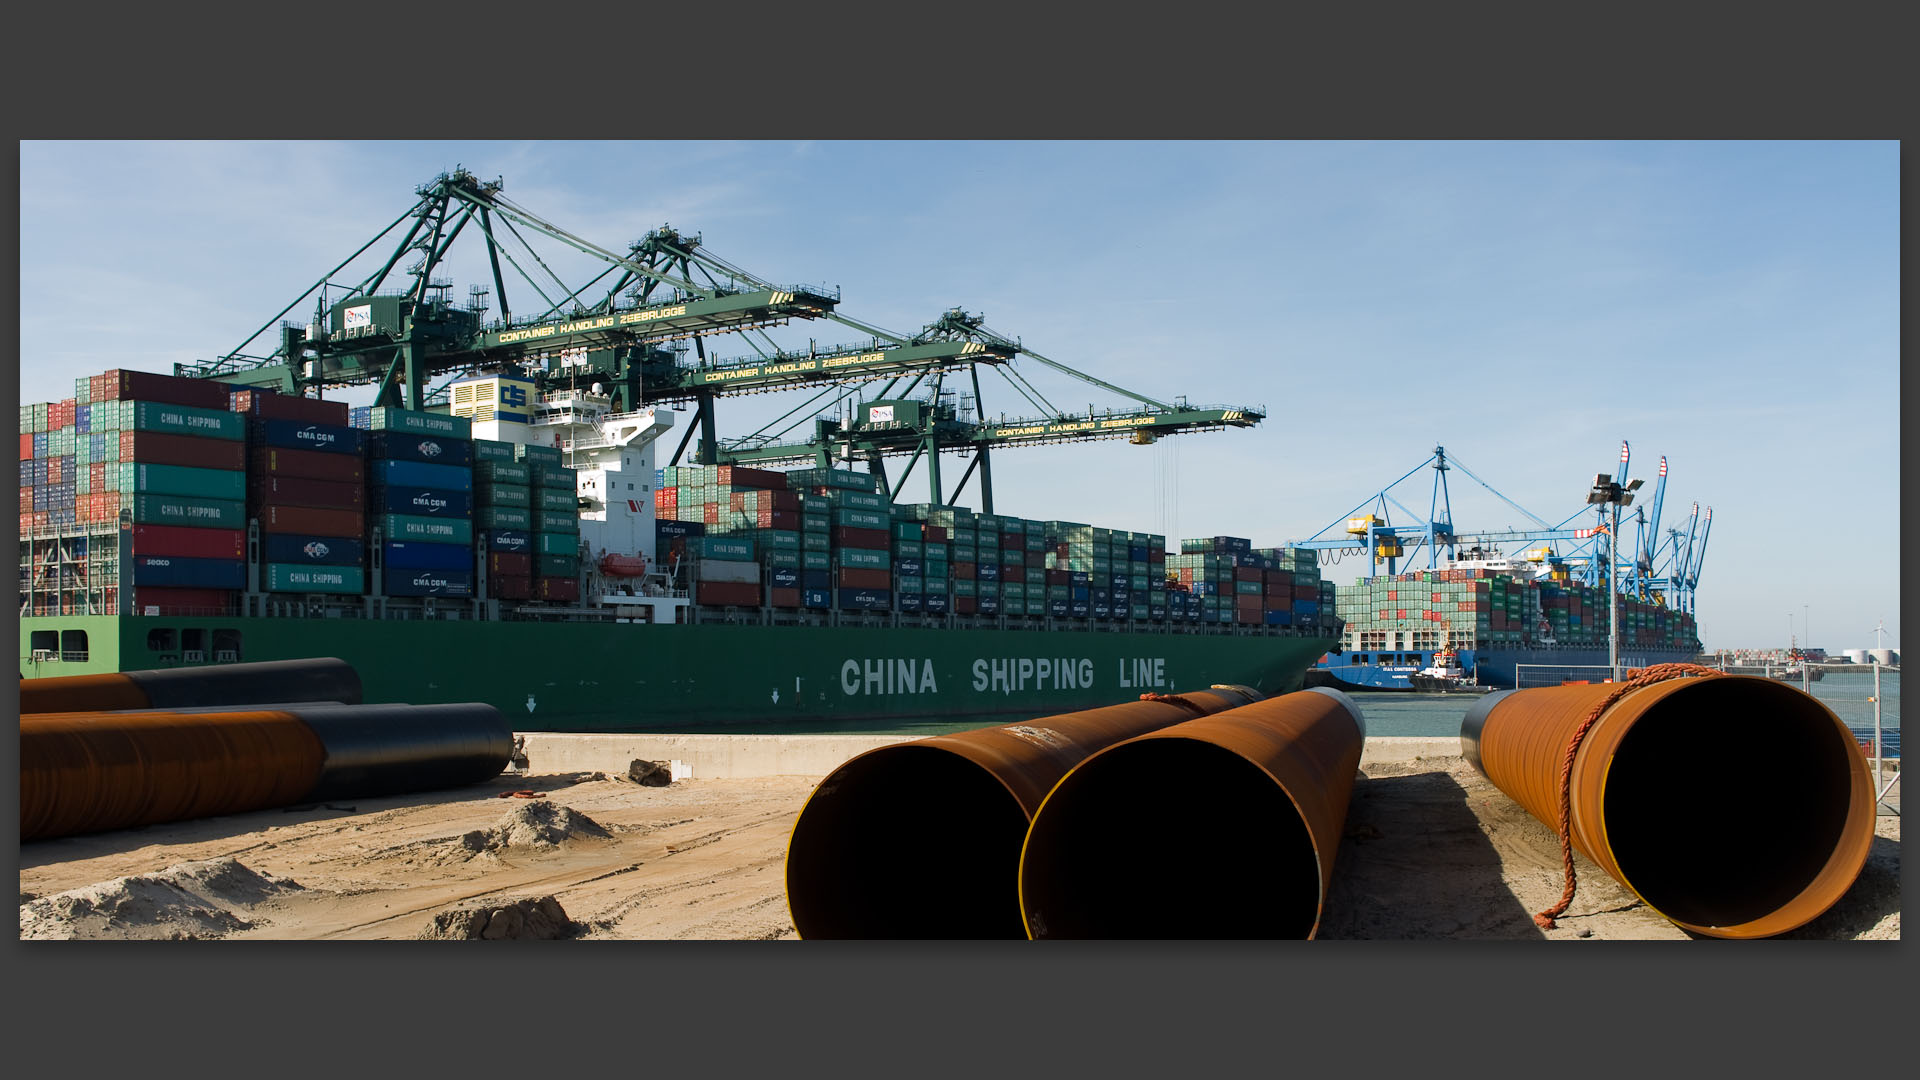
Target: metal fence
1866,697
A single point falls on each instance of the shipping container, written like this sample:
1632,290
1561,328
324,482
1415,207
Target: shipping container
510,586
412,422
156,600
304,491
389,473
419,555
165,448
408,581
428,449
312,521
308,464
503,472
308,436
263,404
727,593
188,573
342,580
416,527
421,502
148,386
173,510
301,550
183,480
857,599
509,540
508,564
188,542
503,517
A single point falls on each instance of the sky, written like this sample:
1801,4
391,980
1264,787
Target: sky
1527,306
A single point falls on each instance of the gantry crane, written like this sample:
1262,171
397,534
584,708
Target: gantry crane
625,333
1670,570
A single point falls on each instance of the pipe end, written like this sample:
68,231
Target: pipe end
1474,723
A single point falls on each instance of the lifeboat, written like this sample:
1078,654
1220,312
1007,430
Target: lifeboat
614,564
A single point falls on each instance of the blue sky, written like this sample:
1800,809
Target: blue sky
1733,306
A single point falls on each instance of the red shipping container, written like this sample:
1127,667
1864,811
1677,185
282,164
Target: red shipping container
1157,555
1059,577
783,598
194,451
313,522
509,564
727,593
563,590
54,471
963,605
97,474
865,578
301,491
710,513
26,500
511,587
149,599
963,571
26,447
1250,603
169,389
1282,602
268,405
1306,592
869,539
1247,573
1399,613
935,534
312,464
742,477
1242,615
189,543
1278,578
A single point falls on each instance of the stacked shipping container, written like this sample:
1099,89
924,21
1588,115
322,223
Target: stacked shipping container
1481,608
420,501
306,490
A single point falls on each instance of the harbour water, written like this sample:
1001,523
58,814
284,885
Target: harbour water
1849,694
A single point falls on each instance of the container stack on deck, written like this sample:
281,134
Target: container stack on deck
1481,608
827,539
556,524
503,519
307,490
420,498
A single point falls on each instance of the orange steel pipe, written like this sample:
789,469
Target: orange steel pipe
922,839
91,772
237,685
1644,811
1224,826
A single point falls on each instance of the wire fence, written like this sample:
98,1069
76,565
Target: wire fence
1866,697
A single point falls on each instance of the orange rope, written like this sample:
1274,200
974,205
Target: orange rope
1636,679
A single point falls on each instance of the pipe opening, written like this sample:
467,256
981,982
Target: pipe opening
907,842
1788,773
1169,838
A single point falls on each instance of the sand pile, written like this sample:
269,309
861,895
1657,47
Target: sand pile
533,826
525,918
186,901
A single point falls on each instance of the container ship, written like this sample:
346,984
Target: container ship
1487,619
521,547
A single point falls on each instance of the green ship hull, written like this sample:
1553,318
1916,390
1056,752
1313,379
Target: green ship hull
636,677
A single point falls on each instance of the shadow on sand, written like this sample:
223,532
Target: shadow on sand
1414,864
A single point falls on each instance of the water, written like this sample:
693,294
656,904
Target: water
1847,693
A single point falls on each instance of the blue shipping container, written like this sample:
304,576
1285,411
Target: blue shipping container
816,579
509,540
663,528
292,549
419,555
426,502
936,603
391,473
432,449
189,573
910,601
400,581
987,571
1079,608
816,598
784,578
909,566
1279,618
304,435
865,599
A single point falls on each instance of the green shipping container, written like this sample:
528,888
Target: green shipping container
182,420
554,476
786,560
816,560
433,530
490,451
515,495
556,566
555,499
295,578
723,547
414,422
865,559
501,472
548,521
907,549
503,517
172,510
184,480
861,519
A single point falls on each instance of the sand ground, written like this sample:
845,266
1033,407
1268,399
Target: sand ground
1430,851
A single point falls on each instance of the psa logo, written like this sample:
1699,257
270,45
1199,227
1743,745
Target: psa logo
512,395
428,448
316,550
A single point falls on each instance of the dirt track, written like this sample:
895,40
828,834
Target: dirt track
1431,851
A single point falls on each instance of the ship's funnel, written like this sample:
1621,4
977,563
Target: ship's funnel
1225,826
1662,768
319,679
922,839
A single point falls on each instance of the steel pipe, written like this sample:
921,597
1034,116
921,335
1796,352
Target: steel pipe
922,839
233,685
1225,826
93,772
1795,786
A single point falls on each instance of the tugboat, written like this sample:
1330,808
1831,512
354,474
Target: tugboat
1444,676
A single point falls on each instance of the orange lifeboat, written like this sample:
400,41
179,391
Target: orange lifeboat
614,564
